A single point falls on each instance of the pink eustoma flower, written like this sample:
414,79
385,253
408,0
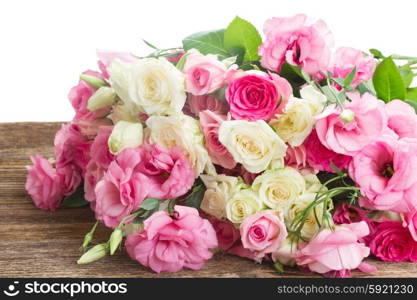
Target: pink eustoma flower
336,250
43,184
297,41
171,243
368,124
386,172
346,59
169,172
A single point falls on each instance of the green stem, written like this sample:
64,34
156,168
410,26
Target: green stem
403,57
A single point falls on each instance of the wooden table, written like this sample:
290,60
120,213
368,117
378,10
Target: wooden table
35,243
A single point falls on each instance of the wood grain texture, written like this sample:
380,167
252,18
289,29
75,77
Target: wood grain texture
35,243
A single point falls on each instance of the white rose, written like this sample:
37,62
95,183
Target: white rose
125,135
253,144
311,227
220,189
314,99
184,132
243,203
313,184
296,123
278,188
157,86
285,254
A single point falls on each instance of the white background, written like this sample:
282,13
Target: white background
44,45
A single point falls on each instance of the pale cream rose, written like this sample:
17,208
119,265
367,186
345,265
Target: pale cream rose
219,189
125,135
253,144
184,132
311,227
313,184
157,86
296,123
243,203
278,188
285,254
314,99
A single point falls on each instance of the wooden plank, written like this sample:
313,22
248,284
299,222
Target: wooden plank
35,243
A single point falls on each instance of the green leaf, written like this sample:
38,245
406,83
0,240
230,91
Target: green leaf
412,103
279,267
150,204
388,82
349,78
196,196
150,45
75,200
412,94
242,35
376,53
407,75
207,42
363,88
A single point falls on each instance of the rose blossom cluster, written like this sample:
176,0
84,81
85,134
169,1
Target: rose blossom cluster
184,152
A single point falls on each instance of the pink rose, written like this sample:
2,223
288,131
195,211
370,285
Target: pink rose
393,242
100,149
70,178
210,123
349,138
94,173
336,250
296,157
169,172
319,157
297,41
227,234
203,73
171,243
257,95
121,190
402,119
197,104
410,221
346,59
43,184
386,172
262,232
71,147
106,58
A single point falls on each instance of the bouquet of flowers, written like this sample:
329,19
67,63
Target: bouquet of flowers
279,149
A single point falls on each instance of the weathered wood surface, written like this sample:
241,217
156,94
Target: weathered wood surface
35,243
